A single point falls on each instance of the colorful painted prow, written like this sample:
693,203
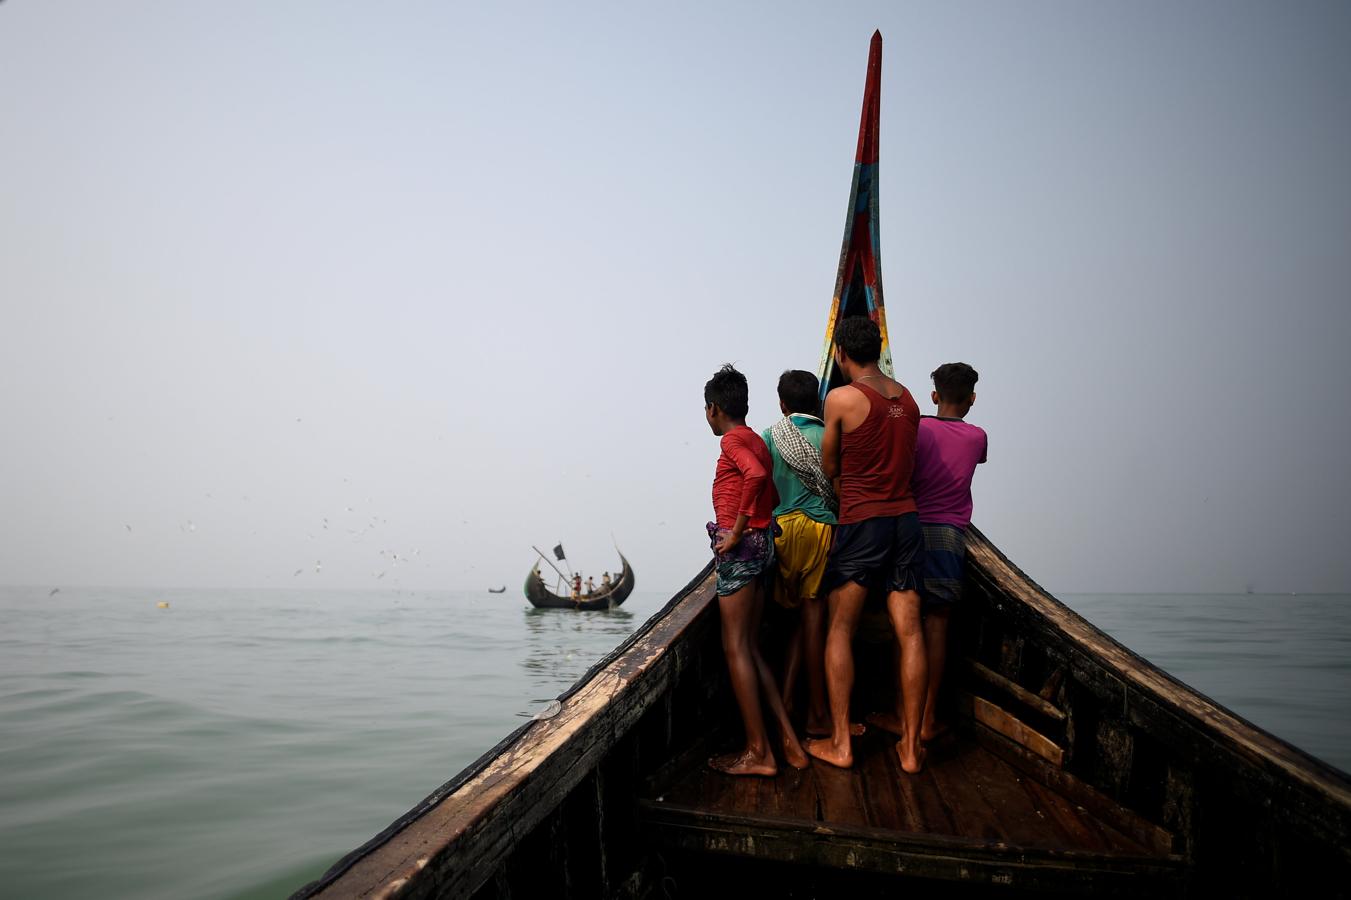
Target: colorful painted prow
858,284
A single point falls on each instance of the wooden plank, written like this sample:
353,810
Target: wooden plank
860,848
1070,819
880,784
837,792
1020,817
1052,685
795,794
1076,791
1017,691
971,814
996,719
919,795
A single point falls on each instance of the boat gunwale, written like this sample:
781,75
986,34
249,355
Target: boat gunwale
1185,703
465,778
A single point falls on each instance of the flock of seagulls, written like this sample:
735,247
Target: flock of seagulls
392,559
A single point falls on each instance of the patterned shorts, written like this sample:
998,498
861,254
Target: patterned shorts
748,560
944,559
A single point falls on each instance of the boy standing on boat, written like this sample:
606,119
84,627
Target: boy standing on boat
869,447
806,514
743,543
947,452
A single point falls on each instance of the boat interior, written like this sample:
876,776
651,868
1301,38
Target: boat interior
1073,766
993,795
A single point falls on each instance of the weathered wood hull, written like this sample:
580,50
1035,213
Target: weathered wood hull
542,597
573,805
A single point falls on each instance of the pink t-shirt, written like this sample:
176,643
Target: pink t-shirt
947,452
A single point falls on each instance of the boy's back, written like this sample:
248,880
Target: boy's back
793,494
947,452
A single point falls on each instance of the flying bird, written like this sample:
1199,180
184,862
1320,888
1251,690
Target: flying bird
53,592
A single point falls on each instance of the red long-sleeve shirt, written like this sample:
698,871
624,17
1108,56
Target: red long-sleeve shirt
742,482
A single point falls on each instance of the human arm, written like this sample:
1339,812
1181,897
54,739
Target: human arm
731,538
754,482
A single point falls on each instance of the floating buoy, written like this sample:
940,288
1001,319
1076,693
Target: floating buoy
163,604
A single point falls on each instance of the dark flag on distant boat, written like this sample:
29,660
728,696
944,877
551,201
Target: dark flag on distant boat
558,551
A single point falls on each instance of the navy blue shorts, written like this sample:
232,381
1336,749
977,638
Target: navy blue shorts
886,552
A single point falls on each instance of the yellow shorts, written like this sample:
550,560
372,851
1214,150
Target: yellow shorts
801,552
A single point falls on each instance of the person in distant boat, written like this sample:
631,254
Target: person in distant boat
947,452
806,513
742,537
576,587
605,582
590,585
869,449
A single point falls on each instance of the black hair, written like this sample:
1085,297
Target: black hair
729,391
955,382
860,339
799,391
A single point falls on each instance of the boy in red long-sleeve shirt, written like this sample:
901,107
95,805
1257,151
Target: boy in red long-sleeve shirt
743,541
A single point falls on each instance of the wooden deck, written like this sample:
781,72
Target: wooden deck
971,816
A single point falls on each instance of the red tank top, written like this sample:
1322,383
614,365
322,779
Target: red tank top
876,459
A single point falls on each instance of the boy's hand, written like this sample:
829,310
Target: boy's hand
728,540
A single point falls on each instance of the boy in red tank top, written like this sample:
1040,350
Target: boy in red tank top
869,448
742,535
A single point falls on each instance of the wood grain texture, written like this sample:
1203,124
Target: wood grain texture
996,719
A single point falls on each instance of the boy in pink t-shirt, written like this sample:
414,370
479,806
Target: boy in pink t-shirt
947,452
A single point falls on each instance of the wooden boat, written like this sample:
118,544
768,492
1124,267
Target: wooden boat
498,590
540,595
1075,766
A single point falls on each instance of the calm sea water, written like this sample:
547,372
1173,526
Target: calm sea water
237,743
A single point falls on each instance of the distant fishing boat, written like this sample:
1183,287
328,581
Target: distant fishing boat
498,590
1076,767
539,594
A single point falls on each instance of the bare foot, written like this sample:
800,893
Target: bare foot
824,750
743,763
888,721
930,730
824,731
793,753
911,764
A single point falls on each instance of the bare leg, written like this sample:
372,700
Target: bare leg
936,648
813,627
792,663
904,609
846,602
737,612
792,750
894,719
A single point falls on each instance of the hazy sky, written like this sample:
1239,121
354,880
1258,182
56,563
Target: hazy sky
450,278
